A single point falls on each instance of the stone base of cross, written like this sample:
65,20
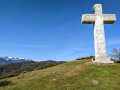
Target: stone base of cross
102,60
99,19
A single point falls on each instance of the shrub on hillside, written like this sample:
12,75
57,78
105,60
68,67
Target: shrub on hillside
90,57
24,72
5,83
45,66
118,61
115,61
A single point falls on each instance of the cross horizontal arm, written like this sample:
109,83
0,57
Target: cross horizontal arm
109,18
88,18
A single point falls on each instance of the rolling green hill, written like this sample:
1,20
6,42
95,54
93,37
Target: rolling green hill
74,75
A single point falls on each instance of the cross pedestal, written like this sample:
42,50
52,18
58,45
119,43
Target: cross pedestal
99,19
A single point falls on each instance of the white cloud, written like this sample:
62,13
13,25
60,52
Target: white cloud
82,49
27,46
113,42
72,53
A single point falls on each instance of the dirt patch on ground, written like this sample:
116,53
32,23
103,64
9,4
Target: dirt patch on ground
95,63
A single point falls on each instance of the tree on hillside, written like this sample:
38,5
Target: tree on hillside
116,53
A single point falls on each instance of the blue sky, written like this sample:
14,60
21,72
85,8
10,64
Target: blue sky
52,29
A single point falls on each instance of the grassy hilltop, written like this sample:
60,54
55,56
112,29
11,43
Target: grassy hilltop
74,75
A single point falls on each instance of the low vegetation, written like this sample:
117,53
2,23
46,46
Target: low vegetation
5,83
115,61
45,66
90,57
74,75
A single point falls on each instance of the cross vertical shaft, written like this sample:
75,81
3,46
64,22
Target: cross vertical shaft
97,9
99,38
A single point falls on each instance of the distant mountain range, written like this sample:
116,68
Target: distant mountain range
8,60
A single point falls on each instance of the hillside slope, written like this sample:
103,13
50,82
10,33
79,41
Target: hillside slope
13,69
74,75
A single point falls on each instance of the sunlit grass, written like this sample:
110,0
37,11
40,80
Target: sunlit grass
74,75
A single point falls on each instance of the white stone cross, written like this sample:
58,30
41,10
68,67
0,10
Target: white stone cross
99,19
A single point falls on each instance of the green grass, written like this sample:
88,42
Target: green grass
74,75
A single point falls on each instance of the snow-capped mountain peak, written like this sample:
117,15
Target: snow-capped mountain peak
7,60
